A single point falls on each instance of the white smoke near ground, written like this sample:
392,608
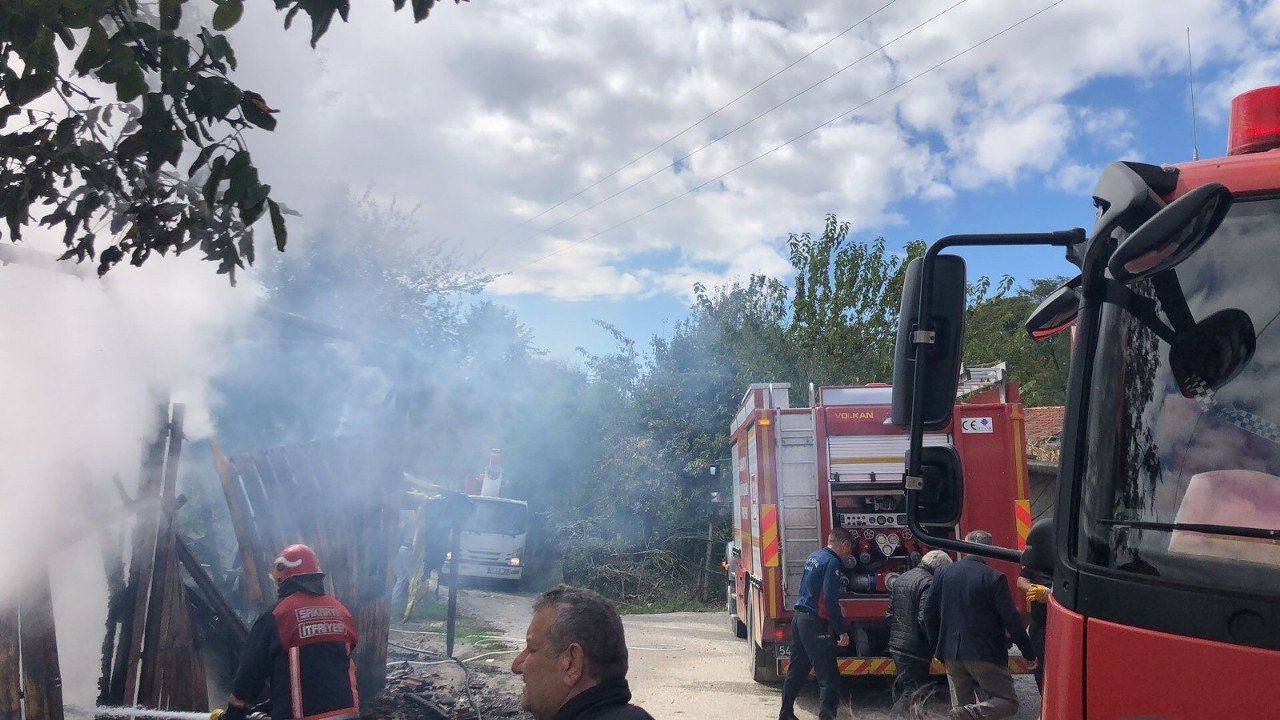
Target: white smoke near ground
83,363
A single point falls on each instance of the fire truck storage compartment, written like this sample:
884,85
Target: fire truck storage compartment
867,500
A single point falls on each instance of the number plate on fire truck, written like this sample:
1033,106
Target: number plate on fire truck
783,652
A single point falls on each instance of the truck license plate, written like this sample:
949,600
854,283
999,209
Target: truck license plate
500,571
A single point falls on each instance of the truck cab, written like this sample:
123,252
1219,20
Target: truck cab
1165,545
492,541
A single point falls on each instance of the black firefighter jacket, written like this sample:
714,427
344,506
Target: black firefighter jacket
302,645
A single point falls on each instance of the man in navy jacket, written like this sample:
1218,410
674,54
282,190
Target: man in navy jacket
816,621
969,618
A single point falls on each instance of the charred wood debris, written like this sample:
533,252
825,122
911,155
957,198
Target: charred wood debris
174,630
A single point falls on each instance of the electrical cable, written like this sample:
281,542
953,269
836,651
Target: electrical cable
715,140
766,153
701,120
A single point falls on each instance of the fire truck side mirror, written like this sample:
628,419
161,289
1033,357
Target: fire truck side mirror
1039,555
942,497
1172,234
943,334
1056,313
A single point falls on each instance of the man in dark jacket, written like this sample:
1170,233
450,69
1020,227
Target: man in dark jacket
816,621
302,645
574,664
969,617
908,644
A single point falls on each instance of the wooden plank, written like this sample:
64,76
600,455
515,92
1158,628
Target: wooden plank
293,499
281,502
263,517
183,680
310,514
206,585
124,678
10,665
113,571
159,617
334,516
41,675
242,523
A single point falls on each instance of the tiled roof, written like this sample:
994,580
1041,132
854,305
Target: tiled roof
1043,424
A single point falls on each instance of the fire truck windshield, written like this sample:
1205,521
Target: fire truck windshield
1187,488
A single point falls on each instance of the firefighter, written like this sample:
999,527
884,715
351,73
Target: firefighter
302,645
818,627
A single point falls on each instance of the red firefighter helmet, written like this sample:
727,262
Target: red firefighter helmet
295,560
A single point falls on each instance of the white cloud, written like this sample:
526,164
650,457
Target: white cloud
1074,178
488,114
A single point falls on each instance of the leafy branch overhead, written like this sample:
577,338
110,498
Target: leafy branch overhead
121,116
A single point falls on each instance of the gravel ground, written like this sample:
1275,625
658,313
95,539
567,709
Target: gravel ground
684,665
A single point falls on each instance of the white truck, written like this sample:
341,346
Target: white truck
493,540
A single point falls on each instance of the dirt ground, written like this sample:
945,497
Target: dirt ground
691,665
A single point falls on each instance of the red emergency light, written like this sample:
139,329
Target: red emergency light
1255,121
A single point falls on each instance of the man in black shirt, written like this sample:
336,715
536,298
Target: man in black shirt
574,664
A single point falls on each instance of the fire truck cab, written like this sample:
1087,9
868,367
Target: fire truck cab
799,471
1165,545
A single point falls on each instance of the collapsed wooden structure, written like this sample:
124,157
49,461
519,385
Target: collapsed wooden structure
340,497
173,632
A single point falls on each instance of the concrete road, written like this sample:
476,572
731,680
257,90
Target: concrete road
691,665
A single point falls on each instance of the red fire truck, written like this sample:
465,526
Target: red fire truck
1165,546
800,471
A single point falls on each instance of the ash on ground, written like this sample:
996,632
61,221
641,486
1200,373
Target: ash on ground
422,684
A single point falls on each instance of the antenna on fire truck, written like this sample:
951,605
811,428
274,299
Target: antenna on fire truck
1191,84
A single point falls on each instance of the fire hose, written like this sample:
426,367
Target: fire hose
139,712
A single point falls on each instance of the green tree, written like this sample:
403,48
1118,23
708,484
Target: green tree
115,162
994,333
845,304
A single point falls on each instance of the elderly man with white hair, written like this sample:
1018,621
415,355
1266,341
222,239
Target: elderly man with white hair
908,643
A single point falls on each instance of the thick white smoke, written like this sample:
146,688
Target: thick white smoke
82,364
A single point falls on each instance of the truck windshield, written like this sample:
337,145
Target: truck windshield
492,516
1167,476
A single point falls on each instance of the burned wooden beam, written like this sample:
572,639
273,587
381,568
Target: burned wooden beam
242,523
216,600
124,674
113,570
41,674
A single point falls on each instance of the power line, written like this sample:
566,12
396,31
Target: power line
660,145
713,113
774,149
715,140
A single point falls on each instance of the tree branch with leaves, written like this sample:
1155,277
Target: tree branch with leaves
114,162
